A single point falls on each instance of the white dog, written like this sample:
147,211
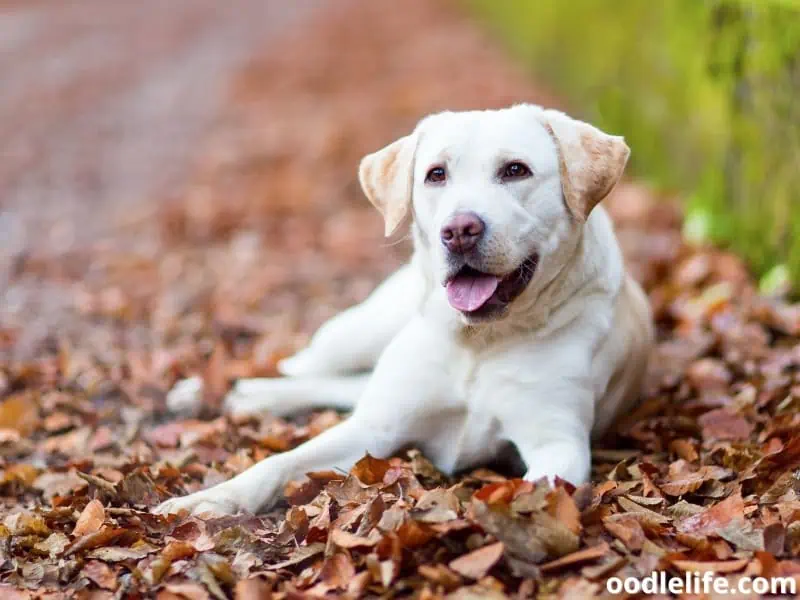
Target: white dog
514,322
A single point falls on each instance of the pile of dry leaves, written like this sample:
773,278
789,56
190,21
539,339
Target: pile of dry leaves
271,237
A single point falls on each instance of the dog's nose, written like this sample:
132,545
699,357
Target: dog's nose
462,232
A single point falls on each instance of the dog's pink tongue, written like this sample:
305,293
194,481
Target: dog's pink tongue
469,292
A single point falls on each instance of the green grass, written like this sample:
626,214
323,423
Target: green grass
707,93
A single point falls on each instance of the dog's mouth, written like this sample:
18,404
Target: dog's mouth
478,294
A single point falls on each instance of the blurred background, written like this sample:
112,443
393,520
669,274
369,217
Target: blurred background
178,175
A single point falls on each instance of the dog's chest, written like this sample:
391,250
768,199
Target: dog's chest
469,436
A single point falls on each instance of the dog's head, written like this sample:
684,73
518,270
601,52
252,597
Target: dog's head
496,197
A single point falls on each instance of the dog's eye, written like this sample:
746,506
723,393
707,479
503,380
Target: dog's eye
515,170
436,175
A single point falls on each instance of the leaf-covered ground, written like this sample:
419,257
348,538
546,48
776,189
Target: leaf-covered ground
270,237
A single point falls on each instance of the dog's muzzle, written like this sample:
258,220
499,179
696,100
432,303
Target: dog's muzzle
479,294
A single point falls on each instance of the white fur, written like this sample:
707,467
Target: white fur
550,373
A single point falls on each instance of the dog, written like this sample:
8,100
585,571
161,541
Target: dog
513,323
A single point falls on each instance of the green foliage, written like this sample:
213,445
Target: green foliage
707,93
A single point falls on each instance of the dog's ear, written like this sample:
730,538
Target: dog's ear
387,178
591,162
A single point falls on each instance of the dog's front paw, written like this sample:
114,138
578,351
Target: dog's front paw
213,501
256,396
306,363
186,395
241,401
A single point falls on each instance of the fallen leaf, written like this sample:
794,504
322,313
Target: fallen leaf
300,555
641,513
338,571
533,539
20,413
171,552
94,540
187,590
54,544
91,519
209,579
370,470
578,557
626,529
121,554
101,574
723,424
714,518
439,574
723,566
252,589
345,539
477,563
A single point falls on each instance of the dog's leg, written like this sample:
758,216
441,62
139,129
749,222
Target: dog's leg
550,445
354,339
403,402
350,342
260,485
547,408
288,395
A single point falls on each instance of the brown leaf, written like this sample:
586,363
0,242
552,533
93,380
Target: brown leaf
724,424
437,506
503,492
578,557
298,493
344,539
370,470
20,413
627,529
641,513
744,536
562,507
684,449
58,484
209,579
101,574
683,479
54,544
254,588
477,563
711,520
413,534
708,374
94,540
439,574
138,488
121,554
722,566
300,554
187,590
337,571
371,516
352,491
25,523
91,519
532,539
171,552
23,473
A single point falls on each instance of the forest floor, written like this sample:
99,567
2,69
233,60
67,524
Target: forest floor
229,264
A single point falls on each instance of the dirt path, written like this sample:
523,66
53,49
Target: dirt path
104,110
103,104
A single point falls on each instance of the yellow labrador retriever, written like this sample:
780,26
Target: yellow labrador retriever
514,321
